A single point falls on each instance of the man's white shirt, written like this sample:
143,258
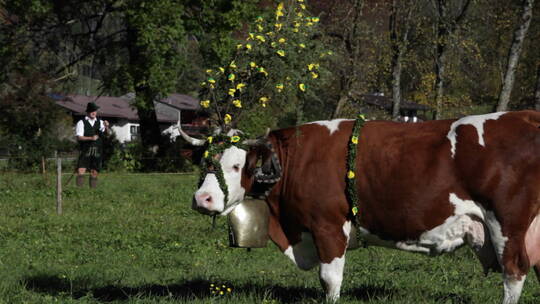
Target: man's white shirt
79,128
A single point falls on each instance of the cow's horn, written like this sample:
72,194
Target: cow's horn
191,140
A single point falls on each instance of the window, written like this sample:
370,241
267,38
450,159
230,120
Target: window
134,132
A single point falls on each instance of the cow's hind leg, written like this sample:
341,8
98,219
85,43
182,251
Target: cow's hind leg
331,247
512,254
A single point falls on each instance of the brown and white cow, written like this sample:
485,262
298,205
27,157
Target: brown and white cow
427,187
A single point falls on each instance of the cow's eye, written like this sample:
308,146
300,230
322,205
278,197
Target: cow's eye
236,167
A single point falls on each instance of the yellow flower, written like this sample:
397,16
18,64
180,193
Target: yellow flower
273,44
279,14
295,30
260,28
235,139
229,290
362,116
278,26
237,103
209,71
299,14
260,38
210,138
279,87
270,33
303,6
231,77
350,175
221,292
281,40
354,210
239,46
302,87
227,118
280,6
211,80
205,103
251,36
300,1
233,65
206,154
262,70
296,24
311,66
232,91
264,100
315,19
354,140
259,19
309,23
203,83
222,70
314,75
281,53
253,64
302,45
240,86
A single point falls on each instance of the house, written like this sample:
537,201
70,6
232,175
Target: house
124,119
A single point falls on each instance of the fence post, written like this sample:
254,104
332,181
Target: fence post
58,183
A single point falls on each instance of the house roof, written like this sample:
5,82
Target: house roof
386,102
120,107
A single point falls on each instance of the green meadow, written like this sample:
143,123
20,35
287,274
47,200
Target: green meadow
136,240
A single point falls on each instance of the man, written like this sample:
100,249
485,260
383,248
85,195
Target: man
89,132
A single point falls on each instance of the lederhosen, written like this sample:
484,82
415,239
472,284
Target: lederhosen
91,150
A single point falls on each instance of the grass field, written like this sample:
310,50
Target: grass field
135,240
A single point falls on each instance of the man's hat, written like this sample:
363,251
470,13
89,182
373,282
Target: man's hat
91,107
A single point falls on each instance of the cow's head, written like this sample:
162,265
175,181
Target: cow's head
229,171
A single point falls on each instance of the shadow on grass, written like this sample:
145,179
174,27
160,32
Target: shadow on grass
200,289
189,290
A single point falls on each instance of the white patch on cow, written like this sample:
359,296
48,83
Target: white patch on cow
332,275
512,289
303,254
451,234
332,125
446,237
231,158
476,121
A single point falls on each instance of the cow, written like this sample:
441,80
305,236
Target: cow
427,187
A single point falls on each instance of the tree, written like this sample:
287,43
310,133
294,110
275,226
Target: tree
277,67
400,25
445,28
513,55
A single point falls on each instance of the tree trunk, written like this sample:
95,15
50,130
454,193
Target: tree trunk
341,102
537,91
396,85
513,55
440,48
399,43
151,138
439,80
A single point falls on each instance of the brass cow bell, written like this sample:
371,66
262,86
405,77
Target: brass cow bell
248,224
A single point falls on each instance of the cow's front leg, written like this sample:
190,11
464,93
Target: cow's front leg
331,246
